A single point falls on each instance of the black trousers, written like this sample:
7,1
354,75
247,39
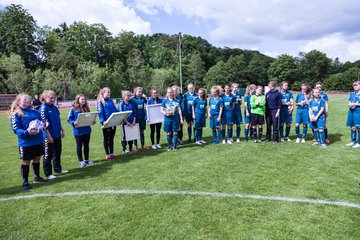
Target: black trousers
52,156
272,122
82,141
153,127
108,134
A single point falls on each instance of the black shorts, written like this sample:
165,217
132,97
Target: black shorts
257,119
29,153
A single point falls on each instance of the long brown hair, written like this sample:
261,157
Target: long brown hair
15,105
76,104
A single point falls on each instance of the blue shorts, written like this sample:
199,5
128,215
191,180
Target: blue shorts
227,117
285,116
237,118
188,116
200,121
302,116
171,125
247,119
319,124
353,119
142,124
213,122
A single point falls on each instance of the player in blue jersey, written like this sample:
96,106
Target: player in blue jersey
30,138
189,98
127,105
50,115
154,99
250,90
140,101
105,107
216,105
317,117
353,119
287,107
325,97
200,115
302,111
237,109
171,110
227,115
81,134
179,96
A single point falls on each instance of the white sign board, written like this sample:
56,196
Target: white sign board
86,119
117,118
131,132
154,114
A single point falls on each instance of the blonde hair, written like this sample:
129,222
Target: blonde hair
249,88
125,93
137,89
45,94
176,89
217,89
15,105
169,88
76,104
234,85
100,96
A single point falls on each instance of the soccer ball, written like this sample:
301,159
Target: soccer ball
36,125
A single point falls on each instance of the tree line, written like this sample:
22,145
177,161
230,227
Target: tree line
85,57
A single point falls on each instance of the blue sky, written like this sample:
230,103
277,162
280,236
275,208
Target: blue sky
273,27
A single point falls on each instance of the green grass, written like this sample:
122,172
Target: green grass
286,170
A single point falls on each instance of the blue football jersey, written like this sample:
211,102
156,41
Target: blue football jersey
229,100
215,105
316,106
355,98
237,101
286,97
301,98
172,107
200,105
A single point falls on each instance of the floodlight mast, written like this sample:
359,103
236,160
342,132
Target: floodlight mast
181,87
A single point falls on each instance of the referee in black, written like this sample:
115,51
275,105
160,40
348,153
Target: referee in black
272,112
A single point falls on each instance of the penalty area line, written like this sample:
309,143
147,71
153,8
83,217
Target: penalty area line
175,192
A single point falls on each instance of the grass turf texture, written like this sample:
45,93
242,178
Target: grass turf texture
285,170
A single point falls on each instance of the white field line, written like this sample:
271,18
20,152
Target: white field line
174,192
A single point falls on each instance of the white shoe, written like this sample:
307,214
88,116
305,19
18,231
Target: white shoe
82,164
229,141
158,146
153,147
288,139
198,142
282,139
297,140
323,146
89,162
51,177
202,141
126,151
237,140
303,140
64,172
350,144
223,141
356,146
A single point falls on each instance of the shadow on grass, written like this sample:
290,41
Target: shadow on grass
335,137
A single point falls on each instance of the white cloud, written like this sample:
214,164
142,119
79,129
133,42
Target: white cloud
335,45
112,13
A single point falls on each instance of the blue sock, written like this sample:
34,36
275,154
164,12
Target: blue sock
200,134
214,135
353,135
189,132
304,132
281,130
142,139
229,133
297,131
246,134
287,131
169,140
238,130
223,133
322,137
358,137
316,136
175,140
313,131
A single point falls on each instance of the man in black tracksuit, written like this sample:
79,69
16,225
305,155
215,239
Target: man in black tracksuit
272,112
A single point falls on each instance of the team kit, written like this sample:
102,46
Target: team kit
40,131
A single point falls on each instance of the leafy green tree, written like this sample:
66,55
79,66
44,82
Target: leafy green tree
342,81
256,70
194,70
162,79
88,79
216,75
17,34
236,69
284,68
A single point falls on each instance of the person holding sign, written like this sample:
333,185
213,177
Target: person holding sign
30,138
154,99
81,134
105,108
126,105
171,110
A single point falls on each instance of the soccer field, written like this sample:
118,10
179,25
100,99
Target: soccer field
239,191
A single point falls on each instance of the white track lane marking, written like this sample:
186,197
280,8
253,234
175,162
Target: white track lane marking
174,192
